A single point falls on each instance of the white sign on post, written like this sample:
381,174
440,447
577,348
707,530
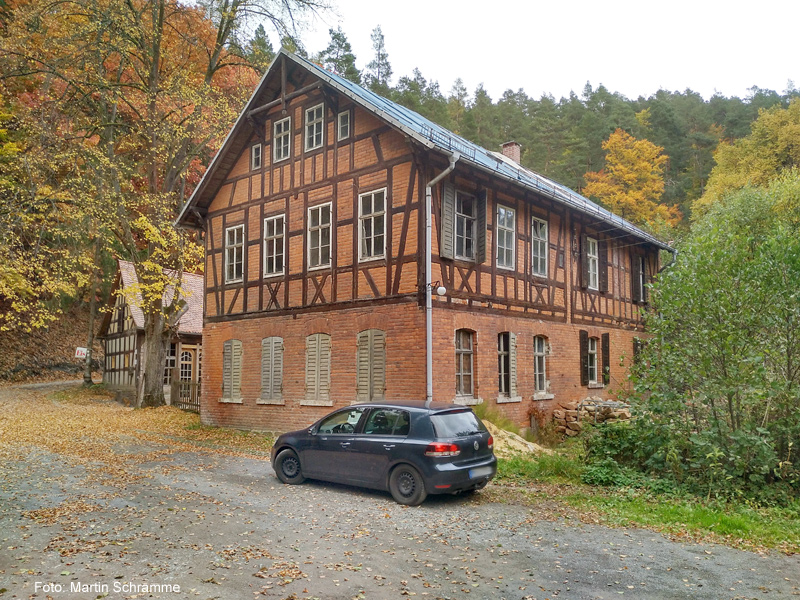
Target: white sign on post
80,352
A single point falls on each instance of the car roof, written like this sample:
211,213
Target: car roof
415,405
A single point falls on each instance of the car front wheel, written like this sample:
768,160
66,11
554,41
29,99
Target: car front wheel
287,467
407,486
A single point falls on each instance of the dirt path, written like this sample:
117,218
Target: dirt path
145,513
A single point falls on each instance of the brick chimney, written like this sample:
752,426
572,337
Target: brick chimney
513,151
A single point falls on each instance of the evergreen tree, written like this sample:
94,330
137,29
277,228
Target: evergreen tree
259,50
338,56
379,71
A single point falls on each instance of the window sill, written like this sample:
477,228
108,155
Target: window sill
508,399
274,401
543,396
230,400
316,403
319,267
467,400
596,385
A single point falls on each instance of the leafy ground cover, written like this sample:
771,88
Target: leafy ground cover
86,425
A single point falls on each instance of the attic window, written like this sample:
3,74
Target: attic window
343,125
255,157
282,139
314,126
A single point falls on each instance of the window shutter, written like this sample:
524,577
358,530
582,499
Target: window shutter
645,279
636,277
602,265
266,368
324,367
606,351
447,239
227,353
236,369
512,364
378,364
584,343
584,263
312,360
277,368
362,367
480,250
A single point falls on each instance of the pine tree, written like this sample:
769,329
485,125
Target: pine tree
379,71
339,58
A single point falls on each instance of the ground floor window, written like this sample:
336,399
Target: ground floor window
464,363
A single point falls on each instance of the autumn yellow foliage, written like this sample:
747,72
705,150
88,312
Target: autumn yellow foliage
632,182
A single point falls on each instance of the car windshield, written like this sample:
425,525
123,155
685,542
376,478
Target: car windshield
456,424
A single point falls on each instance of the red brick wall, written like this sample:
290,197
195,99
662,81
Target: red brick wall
403,323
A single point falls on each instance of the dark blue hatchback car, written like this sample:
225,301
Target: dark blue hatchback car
408,448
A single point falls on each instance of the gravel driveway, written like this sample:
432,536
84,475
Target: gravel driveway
223,527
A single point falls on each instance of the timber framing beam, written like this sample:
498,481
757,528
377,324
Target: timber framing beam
284,99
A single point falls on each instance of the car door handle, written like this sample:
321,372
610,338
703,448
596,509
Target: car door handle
388,446
345,444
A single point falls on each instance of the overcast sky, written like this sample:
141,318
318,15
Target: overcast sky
633,47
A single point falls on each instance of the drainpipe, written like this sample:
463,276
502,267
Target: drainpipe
428,302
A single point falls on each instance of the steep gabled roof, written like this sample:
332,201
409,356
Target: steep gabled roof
191,323
423,131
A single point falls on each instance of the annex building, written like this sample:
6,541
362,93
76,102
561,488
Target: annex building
318,269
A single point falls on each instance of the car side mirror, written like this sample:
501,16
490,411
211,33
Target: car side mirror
311,431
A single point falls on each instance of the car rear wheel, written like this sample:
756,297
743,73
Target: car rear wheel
407,486
287,467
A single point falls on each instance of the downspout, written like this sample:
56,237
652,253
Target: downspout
428,301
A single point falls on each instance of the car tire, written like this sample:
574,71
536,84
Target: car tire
407,486
287,467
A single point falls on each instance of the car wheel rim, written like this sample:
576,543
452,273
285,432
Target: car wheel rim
406,484
290,467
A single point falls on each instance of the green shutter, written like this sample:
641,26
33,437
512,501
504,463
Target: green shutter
271,368
605,344
447,237
312,360
227,353
362,366
602,265
236,369
584,344
324,379
378,364
512,364
584,262
480,241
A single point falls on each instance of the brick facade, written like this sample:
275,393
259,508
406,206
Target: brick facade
384,292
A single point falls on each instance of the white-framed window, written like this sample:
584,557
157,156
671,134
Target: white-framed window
255,157
506,237
274,245
319,236
314,127
592,261
464,363
466,219
540,363
591,361
234,254
539,247
169,365
282,139
372,225
343,125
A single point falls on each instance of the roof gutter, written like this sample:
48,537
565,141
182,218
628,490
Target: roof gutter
454,156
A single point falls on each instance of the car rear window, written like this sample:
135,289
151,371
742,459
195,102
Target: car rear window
456,424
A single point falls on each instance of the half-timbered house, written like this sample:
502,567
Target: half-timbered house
122,331
355,250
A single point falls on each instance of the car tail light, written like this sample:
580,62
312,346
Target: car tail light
437,449
491,442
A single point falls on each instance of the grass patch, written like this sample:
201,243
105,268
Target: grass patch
737,525
562,466
485,413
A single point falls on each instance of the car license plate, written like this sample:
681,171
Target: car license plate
480,472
